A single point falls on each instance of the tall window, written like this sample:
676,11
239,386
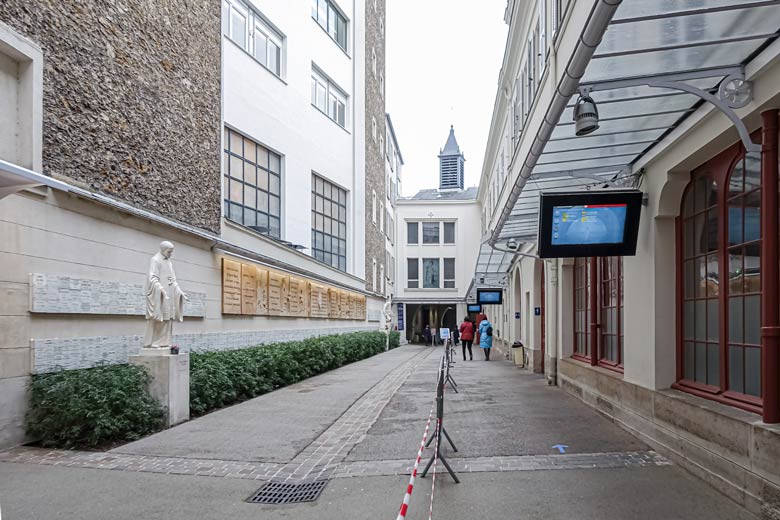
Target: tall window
328,223
412,232
382,217
252,177
373,61
701,295
373,206
330,19
373,274
330,99
449,232
720,261
609,311
449,273
413,273
581,308
253,34
430,232
431,273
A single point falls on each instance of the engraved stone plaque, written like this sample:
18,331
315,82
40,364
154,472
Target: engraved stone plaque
248,289
231,287
278,294
261,276
299,300
52,294
319,300
333,304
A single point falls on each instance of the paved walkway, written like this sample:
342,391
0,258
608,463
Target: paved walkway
358,428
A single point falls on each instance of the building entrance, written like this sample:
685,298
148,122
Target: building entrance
436,315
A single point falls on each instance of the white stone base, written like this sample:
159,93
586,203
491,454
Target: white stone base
170,383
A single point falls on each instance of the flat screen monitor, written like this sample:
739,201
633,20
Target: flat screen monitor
581,224
490,296
474,307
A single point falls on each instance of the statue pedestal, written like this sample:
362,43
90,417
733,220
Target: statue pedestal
170,384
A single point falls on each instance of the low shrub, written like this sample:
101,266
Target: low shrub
92,407
395,339
222,378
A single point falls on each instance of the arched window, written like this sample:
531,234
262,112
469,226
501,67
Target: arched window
720,336
744,275
701,288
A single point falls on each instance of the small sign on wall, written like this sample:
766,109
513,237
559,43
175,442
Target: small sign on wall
537,311
517,315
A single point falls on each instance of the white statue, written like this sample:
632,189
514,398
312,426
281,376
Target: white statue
164,299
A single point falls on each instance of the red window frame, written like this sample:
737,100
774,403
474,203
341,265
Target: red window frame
720,170
592,311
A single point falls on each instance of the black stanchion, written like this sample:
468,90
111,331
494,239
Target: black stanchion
442,379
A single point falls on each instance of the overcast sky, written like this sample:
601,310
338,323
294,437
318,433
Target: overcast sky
443,60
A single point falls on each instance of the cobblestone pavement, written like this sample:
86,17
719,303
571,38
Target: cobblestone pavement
369,468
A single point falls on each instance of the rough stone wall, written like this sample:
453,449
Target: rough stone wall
131,99
375,157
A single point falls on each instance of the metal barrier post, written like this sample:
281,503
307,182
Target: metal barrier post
442,378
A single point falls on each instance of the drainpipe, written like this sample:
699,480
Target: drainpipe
595,27
551,308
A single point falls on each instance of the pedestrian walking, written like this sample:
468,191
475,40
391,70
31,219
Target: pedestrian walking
486,337
455,336
427,335
467,336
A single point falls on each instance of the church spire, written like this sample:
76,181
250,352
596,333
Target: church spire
451,164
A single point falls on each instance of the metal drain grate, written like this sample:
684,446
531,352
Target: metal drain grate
285,493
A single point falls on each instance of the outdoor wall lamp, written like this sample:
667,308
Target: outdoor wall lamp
511,243
586,115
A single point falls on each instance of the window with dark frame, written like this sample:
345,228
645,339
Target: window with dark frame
449,273
328,223
252,184
412,232
330,18
449,232
721,322
582,308
430,233
413,273
609,301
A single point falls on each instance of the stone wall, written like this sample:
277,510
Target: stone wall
70,354
730,449
375,156
131,99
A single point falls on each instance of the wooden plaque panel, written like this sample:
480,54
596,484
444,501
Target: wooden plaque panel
361,308
231,287
319,300
343,305
333,304
299,297
278,294
261,276
248,289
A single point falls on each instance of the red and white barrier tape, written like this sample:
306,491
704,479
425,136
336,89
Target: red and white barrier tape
435,460
410,487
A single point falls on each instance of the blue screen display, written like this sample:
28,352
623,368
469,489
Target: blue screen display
474,308
489,297
588,224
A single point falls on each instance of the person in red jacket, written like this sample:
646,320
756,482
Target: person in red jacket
467,336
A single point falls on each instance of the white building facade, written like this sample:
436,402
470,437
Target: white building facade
394,162
658,342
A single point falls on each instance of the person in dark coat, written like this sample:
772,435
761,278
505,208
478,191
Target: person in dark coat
427,335
455,336
467,336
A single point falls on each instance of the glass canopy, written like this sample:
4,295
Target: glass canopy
698,42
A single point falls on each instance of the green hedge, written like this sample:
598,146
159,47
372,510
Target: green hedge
92,407
222,378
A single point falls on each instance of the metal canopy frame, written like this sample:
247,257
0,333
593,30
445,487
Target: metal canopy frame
680,54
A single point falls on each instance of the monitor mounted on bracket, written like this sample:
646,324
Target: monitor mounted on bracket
490,296
589,223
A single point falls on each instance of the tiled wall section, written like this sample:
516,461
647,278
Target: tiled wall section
70,354
72,295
